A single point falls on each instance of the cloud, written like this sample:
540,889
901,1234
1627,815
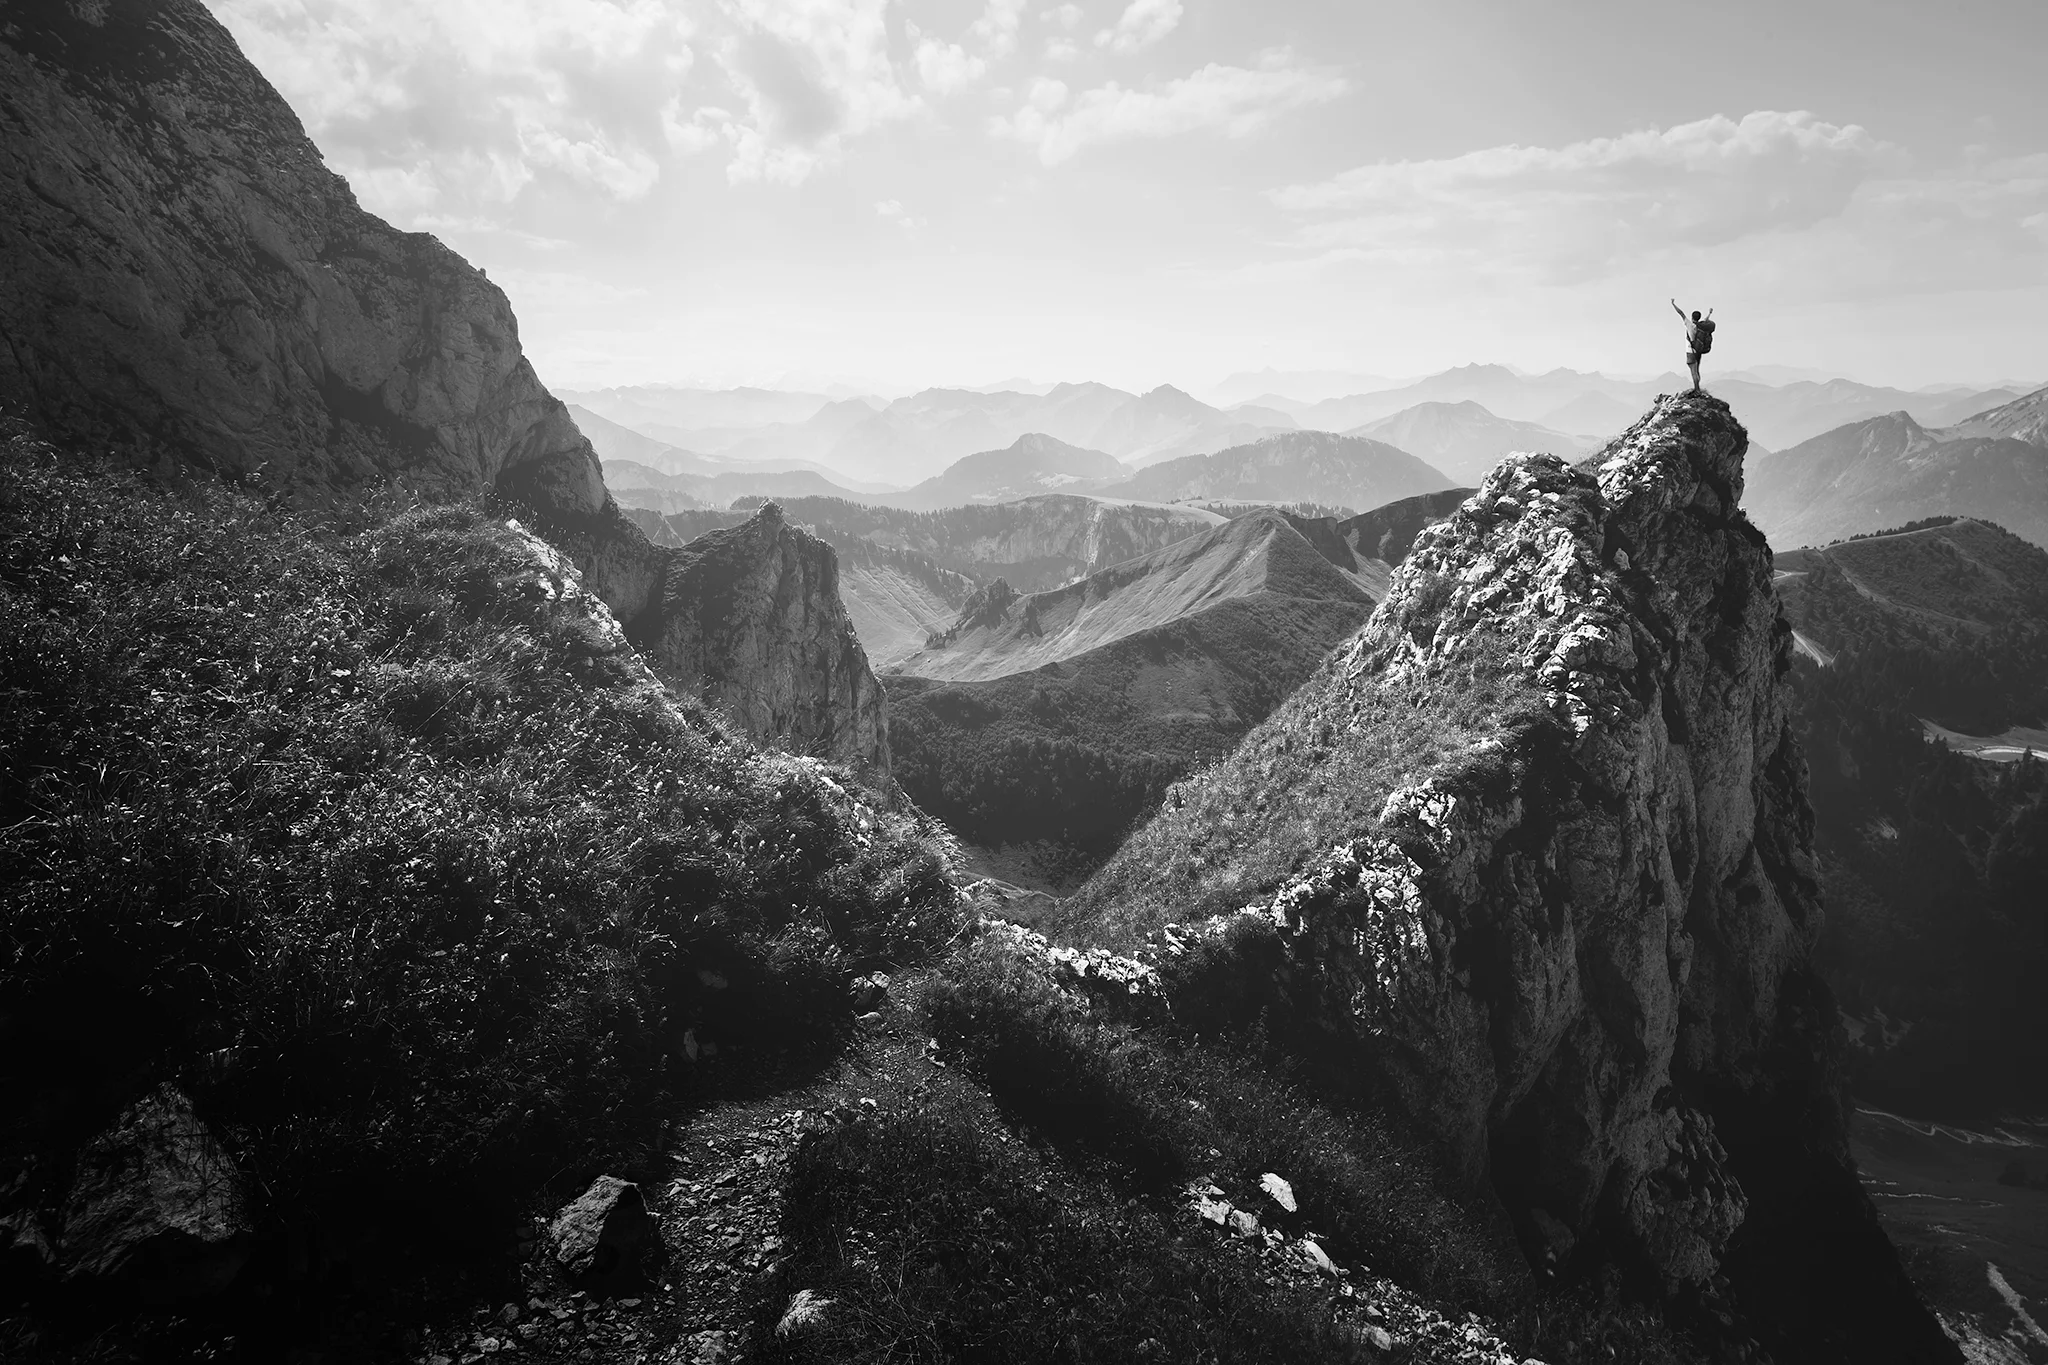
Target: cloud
892,211
1790,203
809,74
1697,184
1143,23
944,67
997,27
1067,17
1061,50
1233,100
448,109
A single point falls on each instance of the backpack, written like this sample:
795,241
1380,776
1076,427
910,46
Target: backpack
1703,336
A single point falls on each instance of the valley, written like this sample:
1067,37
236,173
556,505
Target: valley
1343,864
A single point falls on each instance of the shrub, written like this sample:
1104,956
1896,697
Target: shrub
1162,1109
938,1243
386,853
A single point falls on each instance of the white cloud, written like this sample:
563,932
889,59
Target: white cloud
1143,23
447,109
810,74
997,27
1789,202
892,211
944,67
1067,17
1701,183
1061,50
1233,100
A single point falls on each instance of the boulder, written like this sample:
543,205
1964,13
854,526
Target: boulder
156,1200
605,1233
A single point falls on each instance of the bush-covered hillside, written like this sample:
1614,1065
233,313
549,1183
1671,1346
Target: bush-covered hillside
1073,755
1935,861
385,849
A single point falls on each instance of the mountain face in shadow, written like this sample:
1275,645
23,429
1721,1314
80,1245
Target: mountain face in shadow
239,311
1936,941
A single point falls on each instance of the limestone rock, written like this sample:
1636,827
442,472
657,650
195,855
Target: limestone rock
750,618
602,1233
187,281
1580,950
156,1199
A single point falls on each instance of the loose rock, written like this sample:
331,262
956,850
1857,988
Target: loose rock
602,1232
157,1195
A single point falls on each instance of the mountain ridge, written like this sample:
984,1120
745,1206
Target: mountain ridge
243,313
1556,662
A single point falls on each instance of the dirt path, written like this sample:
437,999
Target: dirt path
719,1207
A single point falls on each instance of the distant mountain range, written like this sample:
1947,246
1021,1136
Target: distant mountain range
916,437
1888,470
905,575
1034,463
1465,441
1060,717
1597,405
1296,466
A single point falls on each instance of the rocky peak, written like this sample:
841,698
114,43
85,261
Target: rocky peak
1575,942
987,607
750,619
239,310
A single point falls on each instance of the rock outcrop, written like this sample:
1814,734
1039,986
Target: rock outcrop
187,281
604,1233
750,619
1578,944
158,1201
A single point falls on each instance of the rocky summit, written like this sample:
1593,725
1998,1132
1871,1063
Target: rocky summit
751,618
187,281
1575,933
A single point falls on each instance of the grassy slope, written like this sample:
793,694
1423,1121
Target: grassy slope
1303,780
1026,1204
385,849
1074,753
1202,639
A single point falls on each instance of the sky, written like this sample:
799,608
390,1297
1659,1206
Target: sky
892,194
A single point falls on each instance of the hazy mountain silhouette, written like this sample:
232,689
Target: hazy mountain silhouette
1034,463
1463,439
1886,471
1295,466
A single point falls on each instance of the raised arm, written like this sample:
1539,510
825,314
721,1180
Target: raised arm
1676,309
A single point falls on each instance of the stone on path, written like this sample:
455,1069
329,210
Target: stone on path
602,1232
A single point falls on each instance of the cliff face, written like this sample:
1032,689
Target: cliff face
1576,940
186,280
750,618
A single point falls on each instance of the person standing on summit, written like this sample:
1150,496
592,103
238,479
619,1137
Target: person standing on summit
1699,339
